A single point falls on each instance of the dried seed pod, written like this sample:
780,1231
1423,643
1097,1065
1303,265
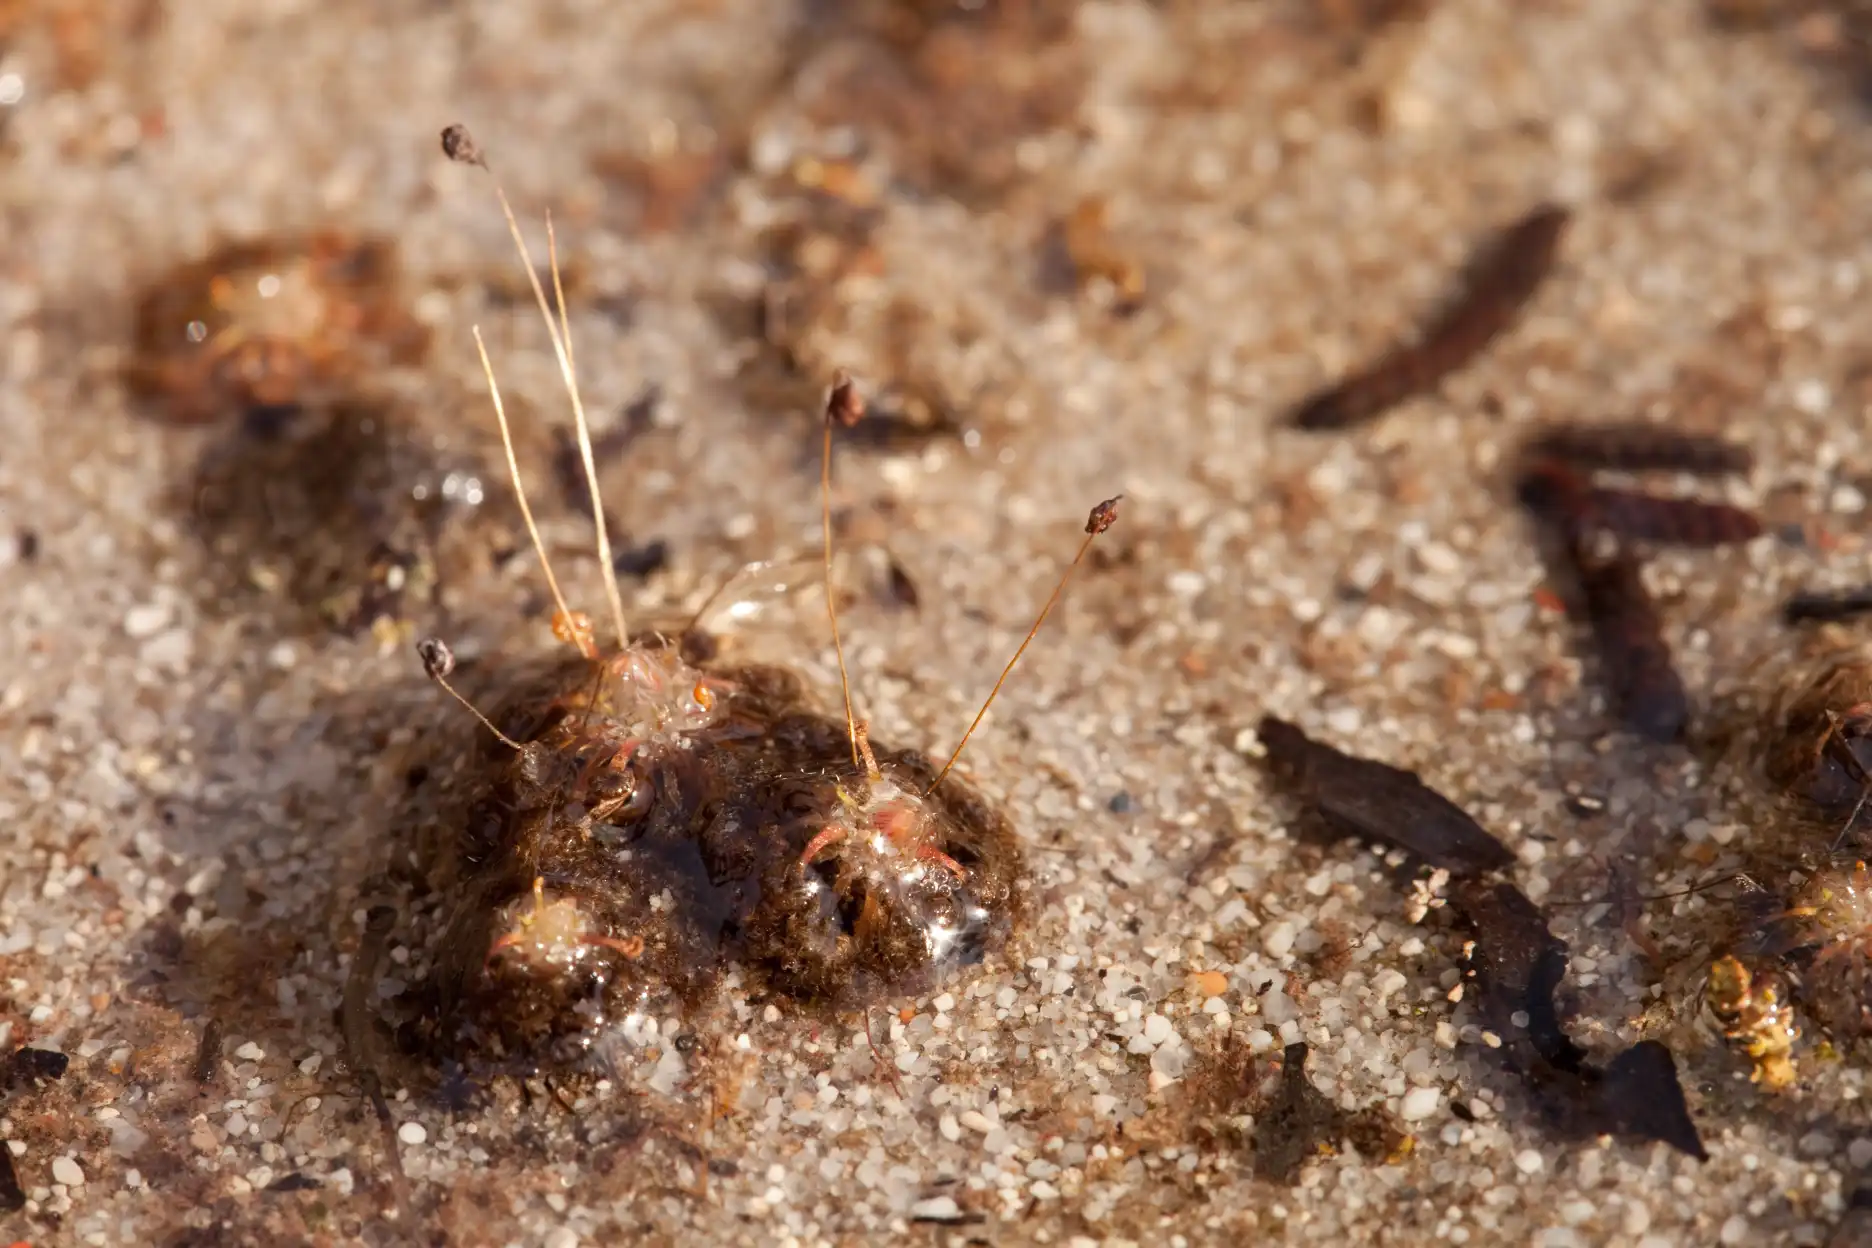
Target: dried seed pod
1502,278
460,146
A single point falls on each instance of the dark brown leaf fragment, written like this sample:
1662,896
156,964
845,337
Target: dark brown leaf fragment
1669,521
1562,498
1821,607
1501,279
12,1195
1643,1099
1380,802
1516,965
294,1182
1634,659
208,1053
1634,446
903,589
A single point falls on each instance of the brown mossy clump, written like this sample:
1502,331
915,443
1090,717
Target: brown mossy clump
661,824
269,323
1821,750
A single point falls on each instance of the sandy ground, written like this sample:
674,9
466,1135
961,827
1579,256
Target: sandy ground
202,776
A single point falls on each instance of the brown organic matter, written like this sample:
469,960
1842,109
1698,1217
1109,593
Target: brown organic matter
1502,279
1822,749
344,517
662,824
265,322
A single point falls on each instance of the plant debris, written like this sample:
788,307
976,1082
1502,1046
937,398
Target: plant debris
1376,801
1635,662
270,324
644,826
343,518
1514,962
1820,751
1299,1124
1634,446
1807,608
1565,499
1753,1009
1500,280
12,1195
1593,534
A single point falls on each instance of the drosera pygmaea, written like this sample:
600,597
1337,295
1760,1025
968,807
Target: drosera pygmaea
647,824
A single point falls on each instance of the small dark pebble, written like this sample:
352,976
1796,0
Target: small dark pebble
28,540
1461,1110
1120,803
723,1168
642,559
294,1182
33,1066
